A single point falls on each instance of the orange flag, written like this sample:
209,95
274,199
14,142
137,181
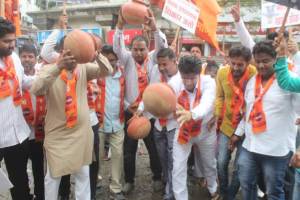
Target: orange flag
12,14
208,20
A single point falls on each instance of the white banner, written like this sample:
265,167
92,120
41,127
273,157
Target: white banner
182,13
272,15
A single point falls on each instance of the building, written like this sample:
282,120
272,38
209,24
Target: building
103,14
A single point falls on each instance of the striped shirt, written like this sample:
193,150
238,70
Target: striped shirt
126,59
14,129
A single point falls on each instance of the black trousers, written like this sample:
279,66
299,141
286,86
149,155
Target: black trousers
15,158
37,158
130,149
94,167
64,187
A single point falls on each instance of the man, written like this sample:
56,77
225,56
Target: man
211,68
111,116
268,126
68,135
195,96
247,40
196,51
34,110
164,129
231,83
139,64
287,81
50,53
14,131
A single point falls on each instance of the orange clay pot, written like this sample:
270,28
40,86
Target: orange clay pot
97,42
159,100
81,45
134,12
138,128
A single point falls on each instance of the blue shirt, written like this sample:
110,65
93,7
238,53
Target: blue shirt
111,122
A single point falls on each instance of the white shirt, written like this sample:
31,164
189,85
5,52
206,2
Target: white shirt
204,110
244,35
126,59
14,129
47,52
280,108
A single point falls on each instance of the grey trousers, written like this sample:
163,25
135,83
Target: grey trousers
164,145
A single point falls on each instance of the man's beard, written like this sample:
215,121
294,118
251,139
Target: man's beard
5,52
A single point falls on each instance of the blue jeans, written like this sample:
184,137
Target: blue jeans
296,194
164,145
227,191
273,171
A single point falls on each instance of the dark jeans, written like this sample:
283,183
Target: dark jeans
37,159
164,144
227,190
273,172
15,158
94,167
64,187
130,149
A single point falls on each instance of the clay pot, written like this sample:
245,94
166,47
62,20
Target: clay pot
159,100
81,45
134,12
138,128
97,42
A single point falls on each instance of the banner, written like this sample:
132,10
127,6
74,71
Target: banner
182,13
272,15
129,34
207,21
290,3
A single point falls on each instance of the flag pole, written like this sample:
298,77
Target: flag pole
282,28
64,14
2,8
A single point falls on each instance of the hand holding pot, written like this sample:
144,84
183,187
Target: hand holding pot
66,61
121,22
150,23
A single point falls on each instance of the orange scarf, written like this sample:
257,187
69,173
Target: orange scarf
257,115
90,95
142,80
10,74
191,128
37,120
162,121
71,98
237,99
100,108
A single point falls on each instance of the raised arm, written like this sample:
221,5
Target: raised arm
48,52
49,73
160,39
119,44
44,79
241,29
98,69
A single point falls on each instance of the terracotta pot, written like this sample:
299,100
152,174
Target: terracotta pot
134,12
97,42
138,128
159,100
81,45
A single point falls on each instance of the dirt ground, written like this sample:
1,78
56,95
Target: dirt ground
143,183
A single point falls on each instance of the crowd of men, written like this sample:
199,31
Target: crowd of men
59,112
